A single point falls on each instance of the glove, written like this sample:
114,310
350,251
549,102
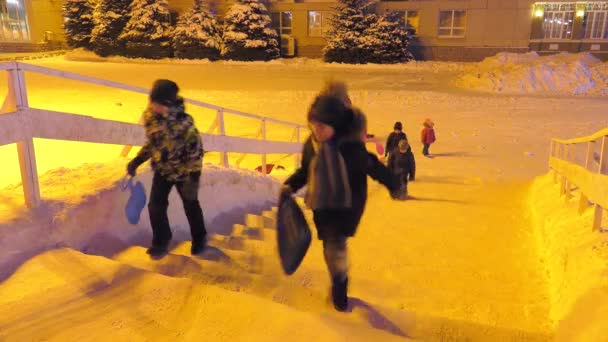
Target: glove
412,178
400,193
132,167
284,193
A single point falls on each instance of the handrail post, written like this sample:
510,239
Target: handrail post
263,130
583,202
602,169
17,101
568,158
222,129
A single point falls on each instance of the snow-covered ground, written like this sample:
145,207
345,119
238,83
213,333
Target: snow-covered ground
461,261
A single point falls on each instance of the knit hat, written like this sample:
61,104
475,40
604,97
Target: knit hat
331,111
164,92
428,123
403,144
398,126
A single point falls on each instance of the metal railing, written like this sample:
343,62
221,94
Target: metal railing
589,174
21,124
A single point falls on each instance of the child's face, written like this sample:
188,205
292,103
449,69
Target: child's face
321,131
158,108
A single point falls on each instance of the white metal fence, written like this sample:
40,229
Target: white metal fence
574,169
21,124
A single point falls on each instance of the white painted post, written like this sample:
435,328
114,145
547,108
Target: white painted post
25,149
568,158
552,154
583,202
602,169
263,130
222,128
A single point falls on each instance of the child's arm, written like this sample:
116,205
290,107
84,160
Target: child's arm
296,181
387,146
412,165
382,174
391,161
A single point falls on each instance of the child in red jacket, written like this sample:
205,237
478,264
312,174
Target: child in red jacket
427,135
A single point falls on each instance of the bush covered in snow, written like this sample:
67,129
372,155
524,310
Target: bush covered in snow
387,40
79,23
148,32
348,27
197,34
359,36
248,35
110,18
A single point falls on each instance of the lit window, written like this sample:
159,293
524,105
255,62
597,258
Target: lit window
452,23
318,23
558,21
13,21
596,25
282,22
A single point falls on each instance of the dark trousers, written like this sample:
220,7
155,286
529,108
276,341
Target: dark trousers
159,202
425,150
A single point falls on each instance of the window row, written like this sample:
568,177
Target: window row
558,21
452,23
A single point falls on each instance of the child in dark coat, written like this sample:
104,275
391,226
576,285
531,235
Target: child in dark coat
402,162
394,138
335,165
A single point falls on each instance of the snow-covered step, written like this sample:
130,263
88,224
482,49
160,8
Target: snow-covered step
257,221
231,242
270,214
240,230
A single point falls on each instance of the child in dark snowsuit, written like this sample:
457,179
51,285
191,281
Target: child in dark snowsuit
335,165
394,138
427,136
402,162
175,148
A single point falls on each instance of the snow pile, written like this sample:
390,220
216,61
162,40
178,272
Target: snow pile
563,74
87,202
576,260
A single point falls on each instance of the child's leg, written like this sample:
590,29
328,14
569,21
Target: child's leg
334,249
425,150
157,208
188,191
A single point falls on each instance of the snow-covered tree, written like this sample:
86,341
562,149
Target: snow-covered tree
387,40
148,32
110,17
78,24
348,29
197,34
248,35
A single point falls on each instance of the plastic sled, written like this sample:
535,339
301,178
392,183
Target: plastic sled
137,200
379,149
293,235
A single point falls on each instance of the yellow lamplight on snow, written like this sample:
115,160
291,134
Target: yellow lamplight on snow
580,13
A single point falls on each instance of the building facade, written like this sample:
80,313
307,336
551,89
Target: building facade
457,30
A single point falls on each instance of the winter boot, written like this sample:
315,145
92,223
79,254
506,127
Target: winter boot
198,248
339,293
158,251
